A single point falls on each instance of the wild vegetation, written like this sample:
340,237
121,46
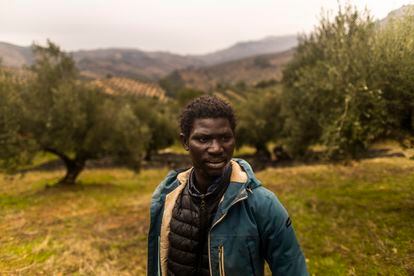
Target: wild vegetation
350,84
350,220
58,113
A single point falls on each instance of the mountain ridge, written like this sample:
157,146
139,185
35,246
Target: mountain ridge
155,65
149,65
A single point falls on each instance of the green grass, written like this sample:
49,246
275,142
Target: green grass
354,220
350,220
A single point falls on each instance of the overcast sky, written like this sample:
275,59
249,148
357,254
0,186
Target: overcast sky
179,26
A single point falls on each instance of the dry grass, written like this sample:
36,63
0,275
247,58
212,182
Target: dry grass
97,228
350,220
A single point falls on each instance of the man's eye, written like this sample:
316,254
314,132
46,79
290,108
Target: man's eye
202,140
226,138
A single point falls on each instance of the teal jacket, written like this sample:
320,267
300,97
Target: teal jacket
251,226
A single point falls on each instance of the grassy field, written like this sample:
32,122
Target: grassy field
351,220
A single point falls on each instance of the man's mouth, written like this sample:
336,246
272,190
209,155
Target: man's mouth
216,164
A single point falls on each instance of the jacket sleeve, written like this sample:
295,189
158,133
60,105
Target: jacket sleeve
279,244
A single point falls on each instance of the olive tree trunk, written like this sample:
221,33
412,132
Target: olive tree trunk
73,167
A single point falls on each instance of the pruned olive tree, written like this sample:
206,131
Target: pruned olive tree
161,122
394,63
260,120
76,122
15,149
331,91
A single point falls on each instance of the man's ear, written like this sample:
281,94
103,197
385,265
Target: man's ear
184,141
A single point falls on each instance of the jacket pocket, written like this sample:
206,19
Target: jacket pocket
221,260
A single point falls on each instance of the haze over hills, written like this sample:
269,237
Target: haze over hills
15,56
234,62
131,63
249,71
149,66
268,45
397,13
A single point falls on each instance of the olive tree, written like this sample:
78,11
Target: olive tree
394,63
260,120
331,91
14,148
162,125
75,121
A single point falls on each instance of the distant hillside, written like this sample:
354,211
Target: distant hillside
131,63
148,66
152,66
15,56
250,71
398,13
118,86
272,44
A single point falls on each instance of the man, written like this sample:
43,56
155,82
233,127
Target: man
216,218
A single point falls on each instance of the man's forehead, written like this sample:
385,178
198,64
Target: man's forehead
210,125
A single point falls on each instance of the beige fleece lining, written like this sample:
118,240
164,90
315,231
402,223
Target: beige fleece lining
170,200
237,174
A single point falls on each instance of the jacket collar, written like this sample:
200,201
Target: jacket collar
242,180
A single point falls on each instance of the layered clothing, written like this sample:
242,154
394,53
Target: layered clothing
249,226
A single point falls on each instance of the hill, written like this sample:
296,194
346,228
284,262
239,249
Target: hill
15,56
148,66
131,63
118,85
250,71
268,45
152,66
397,13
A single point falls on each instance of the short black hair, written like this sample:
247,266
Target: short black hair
205,107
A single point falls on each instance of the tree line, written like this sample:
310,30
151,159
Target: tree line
55,111
350,83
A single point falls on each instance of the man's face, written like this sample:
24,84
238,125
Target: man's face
211,145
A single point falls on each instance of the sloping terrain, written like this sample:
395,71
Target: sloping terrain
131,63
268,45
148,66
117,85
15,56
249,71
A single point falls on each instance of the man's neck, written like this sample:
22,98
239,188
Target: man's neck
202,182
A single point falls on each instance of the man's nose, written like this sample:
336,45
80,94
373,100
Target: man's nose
215,147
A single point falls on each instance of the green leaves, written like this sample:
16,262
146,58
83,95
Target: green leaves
349,84
259,119
57,112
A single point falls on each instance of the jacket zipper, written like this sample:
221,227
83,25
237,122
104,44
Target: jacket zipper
221,259
209,232
202,232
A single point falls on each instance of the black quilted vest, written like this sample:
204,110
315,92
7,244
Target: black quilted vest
191,220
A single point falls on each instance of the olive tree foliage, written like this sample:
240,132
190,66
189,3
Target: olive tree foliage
394,61
75,121
162,125
259,119
332,95
14,148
